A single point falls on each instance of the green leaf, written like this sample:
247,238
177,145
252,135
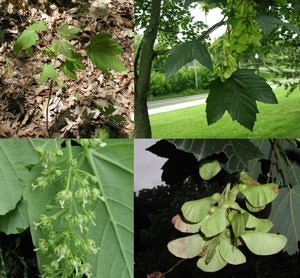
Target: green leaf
49,72
64,47
103,52
117,118
261,194
216,263
185,53
286,207
186,247
68,32
15,155
15,221
37,26
238,96
195,211
230,253
210,169
239,152
29,37
71,65
214,224
268,23
263,243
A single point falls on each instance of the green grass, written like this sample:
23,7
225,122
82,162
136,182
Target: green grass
280,120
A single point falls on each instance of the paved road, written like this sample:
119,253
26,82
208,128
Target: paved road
166,105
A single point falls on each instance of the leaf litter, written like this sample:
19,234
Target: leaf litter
74,106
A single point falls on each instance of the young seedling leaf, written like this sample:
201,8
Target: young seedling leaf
264,243
103,52
185,53
26,40
117,118
49,72
238,96
63,47
68,32
71,65
37,26
210,169
186,247
29,37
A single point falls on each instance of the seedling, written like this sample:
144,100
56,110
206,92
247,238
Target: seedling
103,51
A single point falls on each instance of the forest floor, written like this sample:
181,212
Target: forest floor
74,107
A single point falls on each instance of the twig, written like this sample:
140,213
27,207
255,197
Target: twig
172,268
47,108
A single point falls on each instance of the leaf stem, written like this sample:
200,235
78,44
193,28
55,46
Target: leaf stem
273,159
47,108
70,157
173,267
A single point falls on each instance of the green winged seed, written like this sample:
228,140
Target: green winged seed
216,263
230,253
214,224
195,211
261,243
186,247
210,169
261,194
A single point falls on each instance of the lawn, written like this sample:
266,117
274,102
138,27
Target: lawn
280,120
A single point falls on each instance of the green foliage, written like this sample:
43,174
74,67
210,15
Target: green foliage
29,37
183,80
238,96
109,112
49,72
78,203
268,23
68,32
208,170
185,53
103,52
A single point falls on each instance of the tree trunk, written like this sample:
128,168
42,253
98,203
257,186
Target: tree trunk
142,127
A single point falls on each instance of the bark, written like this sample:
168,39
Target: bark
142,127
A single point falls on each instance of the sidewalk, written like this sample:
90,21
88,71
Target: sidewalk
166,105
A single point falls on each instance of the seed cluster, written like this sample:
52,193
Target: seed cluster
65,224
